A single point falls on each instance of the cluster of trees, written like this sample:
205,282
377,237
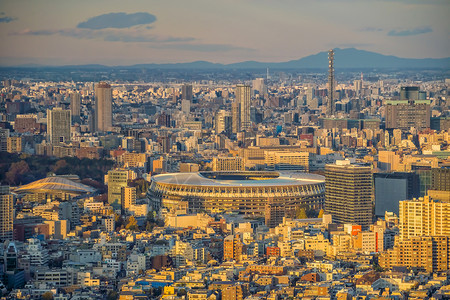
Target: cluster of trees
20,169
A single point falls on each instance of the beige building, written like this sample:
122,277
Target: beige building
280,160
103,107
128,197
228,164
14,144
424,216
429,253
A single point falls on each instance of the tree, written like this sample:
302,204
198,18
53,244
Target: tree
16,170
47,296
301,213
320,213
132,223
112,295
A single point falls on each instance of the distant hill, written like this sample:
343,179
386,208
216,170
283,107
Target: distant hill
349,58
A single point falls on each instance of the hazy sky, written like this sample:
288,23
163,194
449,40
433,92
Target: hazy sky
121,32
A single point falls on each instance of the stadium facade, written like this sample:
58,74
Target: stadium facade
241,192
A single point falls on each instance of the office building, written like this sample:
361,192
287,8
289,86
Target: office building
243,97
117,179
228,164
440,179
391,188
330,103
282,160
103,107
348,193
404,114
58,125
424,216
6,214
412,93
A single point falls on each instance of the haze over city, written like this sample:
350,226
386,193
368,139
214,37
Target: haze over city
106,32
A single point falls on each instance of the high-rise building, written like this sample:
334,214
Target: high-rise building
58,125
348,193
233,248
243,97
260,86
6,214
236,117
128,197
186,106
4,134
440,179
424,216
75,104
223,122
429,253
330,103
14,144
117,179
103,107
404,114
391,188
186,92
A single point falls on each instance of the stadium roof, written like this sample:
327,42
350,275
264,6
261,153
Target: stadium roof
283,179
55,184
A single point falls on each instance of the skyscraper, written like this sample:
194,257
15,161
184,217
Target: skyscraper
243,94
348,193
424,216
223,121
58,125
75,104
6,214
330,103
186,92
103,107
236,117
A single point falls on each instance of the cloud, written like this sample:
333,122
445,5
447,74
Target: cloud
371,29
109,35
408,32
200,47
117,20
5,19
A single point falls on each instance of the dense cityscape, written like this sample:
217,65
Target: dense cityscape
264,185
225,150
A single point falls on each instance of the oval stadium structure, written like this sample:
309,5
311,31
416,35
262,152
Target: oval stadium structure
249,193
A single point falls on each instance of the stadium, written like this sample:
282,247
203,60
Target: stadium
248,193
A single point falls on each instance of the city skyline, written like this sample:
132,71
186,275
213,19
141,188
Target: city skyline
115,33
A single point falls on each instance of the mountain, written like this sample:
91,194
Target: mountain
349,58
352,58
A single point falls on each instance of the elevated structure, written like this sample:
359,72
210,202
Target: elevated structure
330,103
241,192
